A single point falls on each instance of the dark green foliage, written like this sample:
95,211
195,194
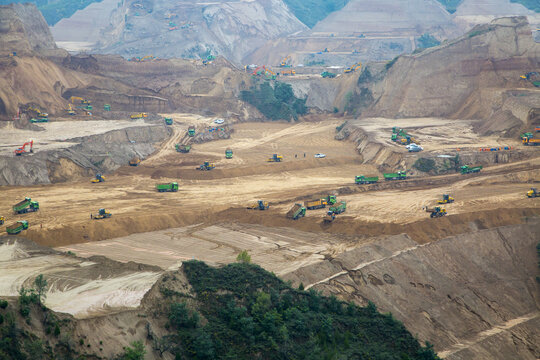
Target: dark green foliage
250,313
356,100
426,41
41,287
276,103
336,110
311,11
450,5
533,5
424,165
135,352
54,11
391,63
3,304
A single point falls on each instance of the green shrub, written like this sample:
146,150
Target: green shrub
391,63
424,164
336,110
276,103
136,352
244,257
426,41
3,304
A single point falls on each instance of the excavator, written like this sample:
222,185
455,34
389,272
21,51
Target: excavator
99,178
22,149
285,62
353,68
288,72
70,110
2,220
446,199
533,193
39,113
80,99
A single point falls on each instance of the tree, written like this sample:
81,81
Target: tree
41,287
136,352
244,257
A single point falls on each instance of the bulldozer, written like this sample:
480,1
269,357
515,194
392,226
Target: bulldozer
275,158
446,198
533,193
435,212
99,178
102,214
260,204
206,166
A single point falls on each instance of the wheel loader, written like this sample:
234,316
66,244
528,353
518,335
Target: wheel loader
102,214
533,193
99,178
446,199
435,212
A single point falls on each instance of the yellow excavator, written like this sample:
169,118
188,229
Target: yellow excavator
353,68
285,61
275,158
99,178
70,110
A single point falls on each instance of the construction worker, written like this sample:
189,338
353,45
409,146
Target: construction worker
295,156
304,154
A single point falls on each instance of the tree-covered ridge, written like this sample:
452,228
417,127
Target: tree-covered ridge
240,311
312,11
54,11
533,5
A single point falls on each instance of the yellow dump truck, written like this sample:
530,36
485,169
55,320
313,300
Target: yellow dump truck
315,204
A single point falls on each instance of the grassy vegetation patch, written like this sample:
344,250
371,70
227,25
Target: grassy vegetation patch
54,11
312,11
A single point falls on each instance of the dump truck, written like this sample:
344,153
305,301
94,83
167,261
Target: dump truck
527,135
361,179
466,169
435,212
330,199
99,178
206,166
296,212
191,131
446,199
139,116
531,142
168,121
339,208
102,214
275,158
107,107
228,154
16,228
315,204
183,148
328,74
39,120
260,204
2,220
329,217
26,206
533,193
400,175
169,187
135,161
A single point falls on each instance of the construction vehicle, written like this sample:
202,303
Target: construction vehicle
168,121
260,204
275,158
435,212
531,142
26,206
361,179
170,187
39,120
296,212
22,149
99,178
135,161
228,154
139,116
107,107
209,59
290,72
527,135
182,148
285,62
537,128
102,214
353,68
330,199
400,175
70,110
446,199
533,193
2,220
191,131
328,74
38,112
329,217
80,100
206,166
339,208
315,204
17,227
466,169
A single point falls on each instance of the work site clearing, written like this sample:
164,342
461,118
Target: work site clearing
149,232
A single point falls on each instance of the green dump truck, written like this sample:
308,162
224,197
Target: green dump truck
361,179
183,148
39,120
168,121
107,107
339,208
228,154
191,131
330,199
400,175
328,74
466,169
26,206
169,187
296,212
17,227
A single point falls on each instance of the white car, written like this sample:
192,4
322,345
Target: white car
320,155
219,121
414,148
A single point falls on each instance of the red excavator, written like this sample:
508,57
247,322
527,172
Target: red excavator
22,149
